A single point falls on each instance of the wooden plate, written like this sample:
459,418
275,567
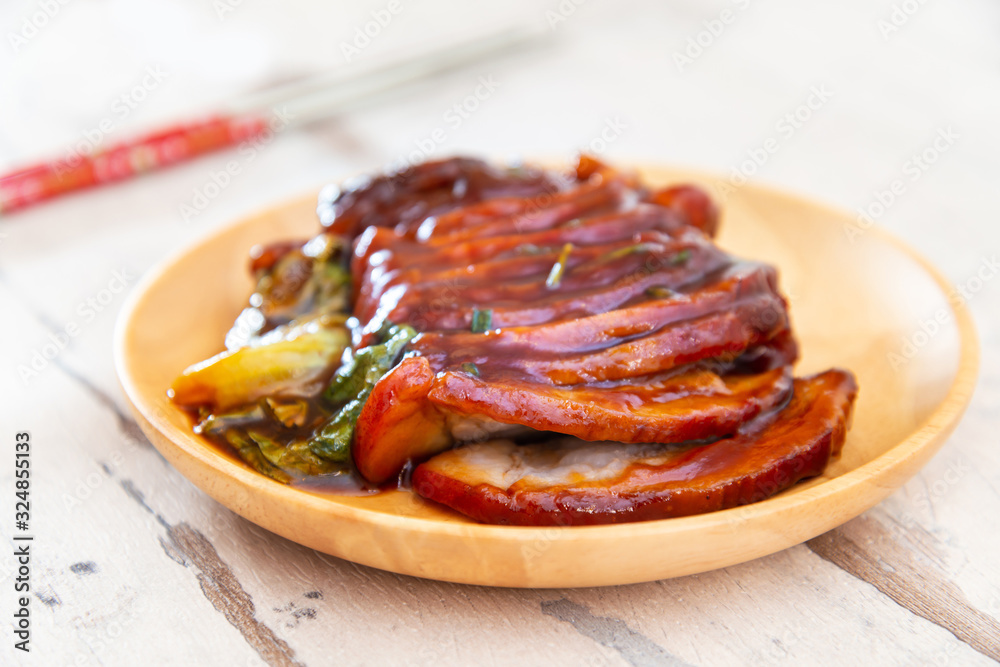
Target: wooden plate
862,301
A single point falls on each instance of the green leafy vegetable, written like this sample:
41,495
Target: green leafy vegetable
308,280
245,430
351,386
250,452
333,442
482,320
626,251
470,368
681,257
293,455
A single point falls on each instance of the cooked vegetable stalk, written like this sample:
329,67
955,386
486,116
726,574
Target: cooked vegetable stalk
293,284
559,268
353,383
284,367
243,430
295,455
250,452
681,258
216,425
626,251
280,351
290,414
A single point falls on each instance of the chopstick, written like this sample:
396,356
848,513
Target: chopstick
302,101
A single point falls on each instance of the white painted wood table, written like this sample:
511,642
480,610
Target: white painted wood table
131,565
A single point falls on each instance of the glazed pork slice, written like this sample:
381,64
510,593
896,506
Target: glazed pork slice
747,288
724,334
583,484
414,412
453,381
599,287
598,186
524,262
673,407
383,258
444,296
692,203
405,198
594,196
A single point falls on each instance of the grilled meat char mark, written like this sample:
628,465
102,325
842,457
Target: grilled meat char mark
579,484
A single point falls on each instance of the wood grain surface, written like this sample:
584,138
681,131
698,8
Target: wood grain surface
133,565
